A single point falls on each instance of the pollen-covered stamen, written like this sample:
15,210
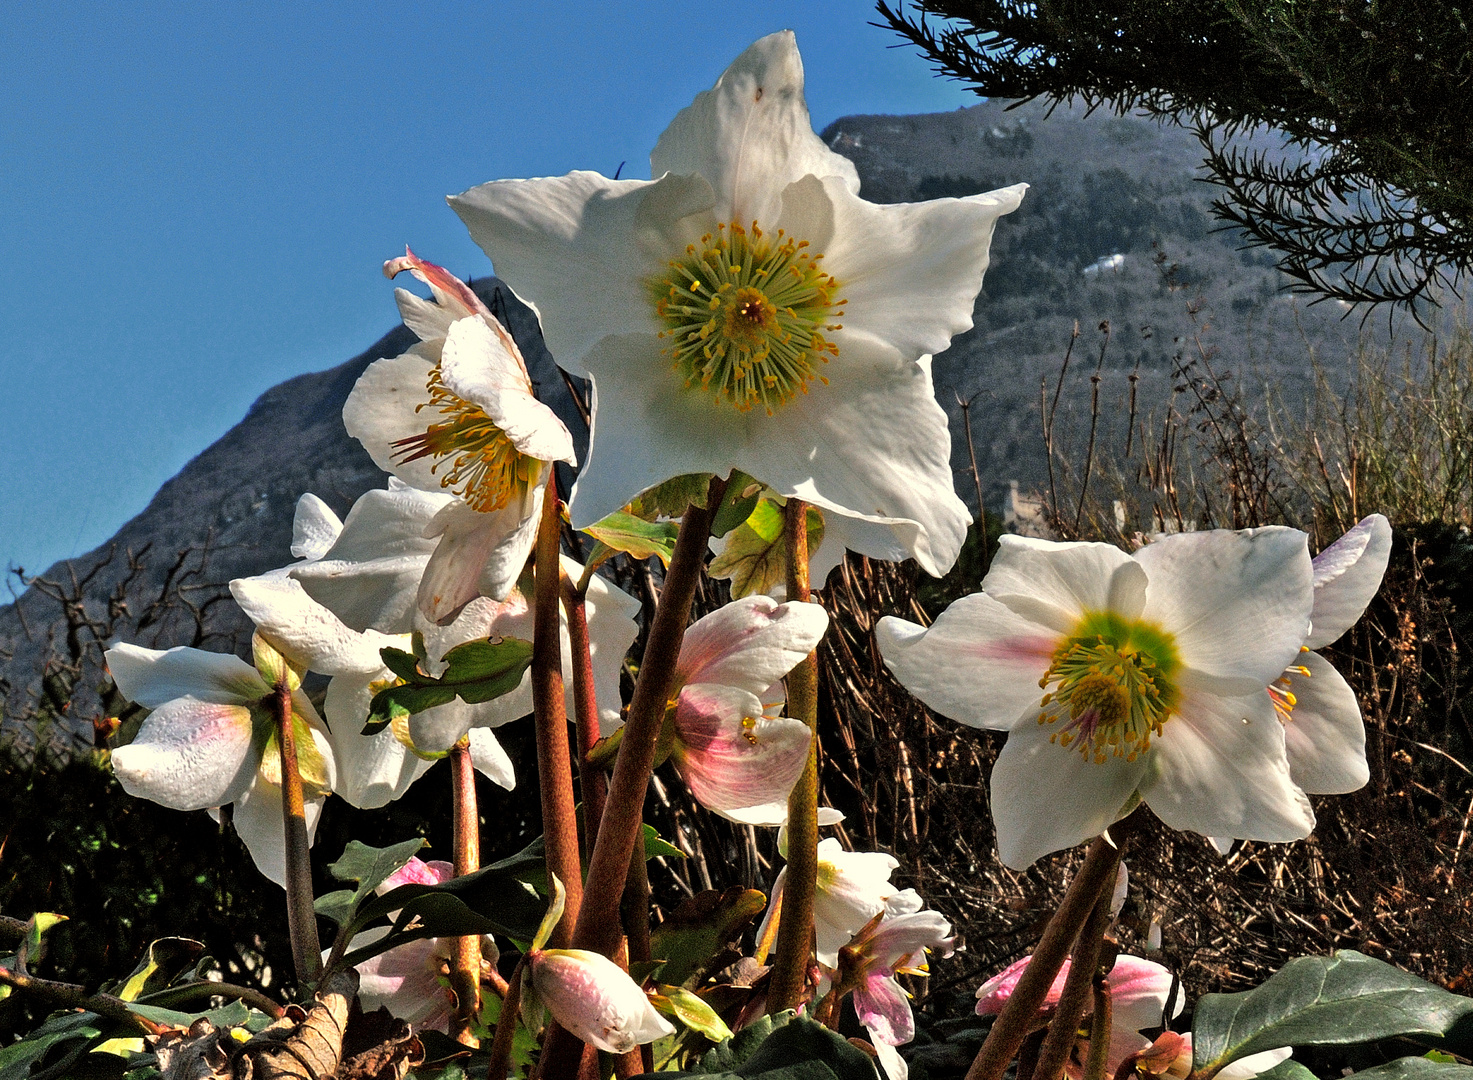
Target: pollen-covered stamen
480,463
1282,697
746,316
1112,686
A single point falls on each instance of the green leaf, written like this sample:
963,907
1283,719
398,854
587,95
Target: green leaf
74,1031
1288,1069
1318,1001
697,931
687,1007
657,846
37,927
755,557
737,504
476,671
672,498
1416,1068
637,538
368,867
166,960
234,1014
782,1048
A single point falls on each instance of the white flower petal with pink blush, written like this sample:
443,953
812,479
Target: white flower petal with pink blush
1245,1068
595,999
736,761
1123,678
458,412
717,339
750,643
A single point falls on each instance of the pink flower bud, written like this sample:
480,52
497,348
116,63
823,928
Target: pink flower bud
595,999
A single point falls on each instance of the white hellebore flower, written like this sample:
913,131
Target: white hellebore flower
851,889
1121,678
737,757
211,741
592,997
747,309
458,411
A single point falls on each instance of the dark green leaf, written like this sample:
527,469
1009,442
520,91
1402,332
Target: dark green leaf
637,538
1288,1069
673,497
782,1048
369,867
167,959
1316,1001
1416,1068
234,1014
476,671
737,504
77,1029
697,930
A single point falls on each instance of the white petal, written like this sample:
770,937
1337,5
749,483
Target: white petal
428,319
890,1060
1219,768
853,887
306,632
150,677
479,554
1248,1067
477,365
1347,575
190,755
884,1009
384,407
1053,583
735,761
372,770
405,980
314,528
750,643
750,134
580,247
978,663
1047,797
910,271
488,756
257,819
596,1000
1325,737
1237,603
611,614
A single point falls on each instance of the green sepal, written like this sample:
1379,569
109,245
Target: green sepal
688,1007
476,671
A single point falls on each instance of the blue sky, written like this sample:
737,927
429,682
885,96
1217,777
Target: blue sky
197,198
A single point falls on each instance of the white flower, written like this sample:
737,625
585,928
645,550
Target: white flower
211,741
851,889
747,309
458,411
1121,678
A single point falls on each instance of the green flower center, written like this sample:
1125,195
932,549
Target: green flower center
745,316
481,465
1111,685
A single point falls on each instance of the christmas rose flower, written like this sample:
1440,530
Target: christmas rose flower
210,740
746,309
1123,678
458,412
852,887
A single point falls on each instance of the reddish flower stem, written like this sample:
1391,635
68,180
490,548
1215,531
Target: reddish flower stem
795,925
1096,876
301,920
1099,1031
1074,998
591,783
465,966
554,763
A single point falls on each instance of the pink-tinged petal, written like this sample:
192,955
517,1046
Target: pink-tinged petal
1220,769
852,888
596,1000
1047,797
1236,603
315,528
978,663
150,677
1325,737
480,366
750,643
1347,575
190,755
750,134
994,993
884,1008
418,871
1138,993
735,761
256,818
1053,584
582,246
406,981
452,294
903,939
479,554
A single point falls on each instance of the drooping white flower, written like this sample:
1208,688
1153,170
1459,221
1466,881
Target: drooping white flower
211,741
747,309
406,979
1121,678
852,887
458,412
736,755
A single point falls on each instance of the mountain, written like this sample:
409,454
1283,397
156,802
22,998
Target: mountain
1115,227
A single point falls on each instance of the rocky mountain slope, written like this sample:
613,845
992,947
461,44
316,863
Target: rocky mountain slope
1115,228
